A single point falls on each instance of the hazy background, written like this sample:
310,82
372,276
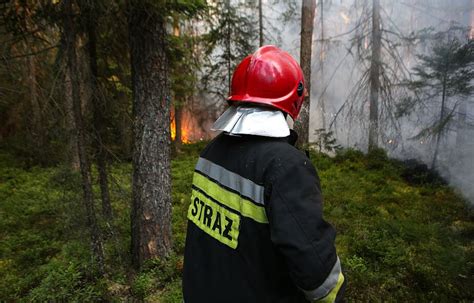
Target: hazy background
337,67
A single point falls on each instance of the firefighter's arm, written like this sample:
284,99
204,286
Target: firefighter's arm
299,231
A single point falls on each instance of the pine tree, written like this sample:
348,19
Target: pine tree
151,205
442,79
377,45
70,34
232,37
151,193
374,76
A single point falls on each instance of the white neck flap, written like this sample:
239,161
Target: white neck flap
252,120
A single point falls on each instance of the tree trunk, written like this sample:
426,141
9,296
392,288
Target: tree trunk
151,205
70,125
441,118
229,51
36,129
73,155
98,108
260,23
461,126
36,123
322,101
375,76
70,42
178,112
177,103
307,19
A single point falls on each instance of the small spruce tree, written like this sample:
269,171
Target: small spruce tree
441,80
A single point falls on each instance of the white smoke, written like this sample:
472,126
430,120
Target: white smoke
335,72
336,69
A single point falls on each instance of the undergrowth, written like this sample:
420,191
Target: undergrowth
398,241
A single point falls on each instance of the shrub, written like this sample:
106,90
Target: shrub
377,158
66,282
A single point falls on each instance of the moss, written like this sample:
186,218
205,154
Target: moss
398,242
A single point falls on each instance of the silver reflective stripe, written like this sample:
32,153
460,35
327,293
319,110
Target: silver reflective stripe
327,285
252,120
243,186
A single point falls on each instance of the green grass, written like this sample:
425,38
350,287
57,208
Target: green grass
397,242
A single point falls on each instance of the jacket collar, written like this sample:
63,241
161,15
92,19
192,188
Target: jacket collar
252,120
292,138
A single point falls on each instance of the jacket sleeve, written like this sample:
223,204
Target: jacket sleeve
300,233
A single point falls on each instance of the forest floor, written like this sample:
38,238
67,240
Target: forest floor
398,240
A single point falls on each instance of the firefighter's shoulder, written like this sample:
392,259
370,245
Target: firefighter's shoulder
282,156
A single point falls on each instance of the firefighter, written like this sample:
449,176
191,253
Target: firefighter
256,231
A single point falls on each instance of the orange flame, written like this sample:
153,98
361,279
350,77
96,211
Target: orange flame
173,127
184,130
191,131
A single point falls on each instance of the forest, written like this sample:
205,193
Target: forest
106,105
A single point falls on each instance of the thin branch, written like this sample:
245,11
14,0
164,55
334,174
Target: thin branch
30,54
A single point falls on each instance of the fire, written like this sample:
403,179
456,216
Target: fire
191,131
184,130
345,17
173,128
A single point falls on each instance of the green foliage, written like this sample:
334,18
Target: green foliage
182,178
186,8
35,118
417,173
377,158
397,242
159,278
143,285
231,38
172,292
29,228
326,141
66,282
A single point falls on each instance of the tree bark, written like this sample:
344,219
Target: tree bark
441,117
375,76
461,126
322,102
70,34
70,125
151,202
178,112
37,131
307,20
178,104
260,23
228,51
36,121
98,108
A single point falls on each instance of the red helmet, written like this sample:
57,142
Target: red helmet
271,77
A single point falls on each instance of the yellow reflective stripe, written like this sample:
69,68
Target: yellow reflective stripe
331,296
218,222
231,180
230,199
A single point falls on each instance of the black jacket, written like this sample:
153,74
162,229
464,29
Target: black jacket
255,230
